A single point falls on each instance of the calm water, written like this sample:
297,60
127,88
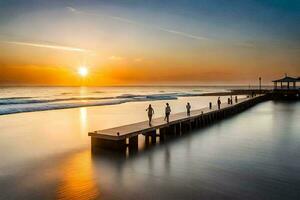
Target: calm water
253,155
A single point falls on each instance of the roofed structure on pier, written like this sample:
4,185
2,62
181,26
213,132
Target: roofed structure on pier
287,80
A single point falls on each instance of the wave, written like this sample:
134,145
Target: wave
66,93
44,107
28,104
98,92
10,101
19,105
13,98
169,96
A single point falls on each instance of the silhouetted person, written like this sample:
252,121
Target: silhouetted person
188,109
236,99
228,100
168,112
150,113
210,105
219,103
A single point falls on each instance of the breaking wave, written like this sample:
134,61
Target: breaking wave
30,104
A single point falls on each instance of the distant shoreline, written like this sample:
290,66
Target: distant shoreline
132,86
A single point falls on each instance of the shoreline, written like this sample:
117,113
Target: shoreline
63,107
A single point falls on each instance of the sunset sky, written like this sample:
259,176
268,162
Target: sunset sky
136,42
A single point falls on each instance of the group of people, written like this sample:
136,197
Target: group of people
230,101
150,111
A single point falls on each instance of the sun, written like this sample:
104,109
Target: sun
83,71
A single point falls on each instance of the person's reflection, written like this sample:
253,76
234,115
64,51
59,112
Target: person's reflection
167,159
188,145
150,162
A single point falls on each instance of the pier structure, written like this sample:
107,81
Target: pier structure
286,83
286,89
119,138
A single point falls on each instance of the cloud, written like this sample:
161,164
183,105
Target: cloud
71,9
183,34
49,46
138,59
129,21
115,58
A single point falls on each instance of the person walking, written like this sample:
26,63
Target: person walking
150,113
188,109
219,103
168,112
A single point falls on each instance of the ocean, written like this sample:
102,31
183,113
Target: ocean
29,99
46,154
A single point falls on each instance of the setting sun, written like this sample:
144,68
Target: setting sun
83,71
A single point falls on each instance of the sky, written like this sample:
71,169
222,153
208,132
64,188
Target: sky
150,42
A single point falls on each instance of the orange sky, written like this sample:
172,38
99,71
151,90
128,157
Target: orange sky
125,45
26,65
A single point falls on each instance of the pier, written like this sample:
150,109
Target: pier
119,138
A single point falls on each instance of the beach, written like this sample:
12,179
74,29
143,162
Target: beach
230,159
49,132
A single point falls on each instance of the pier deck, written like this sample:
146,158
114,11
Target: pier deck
142,127
179,122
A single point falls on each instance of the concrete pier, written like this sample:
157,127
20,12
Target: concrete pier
119,138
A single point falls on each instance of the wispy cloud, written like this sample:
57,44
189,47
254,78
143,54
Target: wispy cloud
115,58
129,21
163,29
138,59
49,46
71,9
183,34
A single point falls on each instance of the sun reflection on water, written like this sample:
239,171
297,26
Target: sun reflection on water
83,121
78,181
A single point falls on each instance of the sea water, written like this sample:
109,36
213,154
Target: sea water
252,155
